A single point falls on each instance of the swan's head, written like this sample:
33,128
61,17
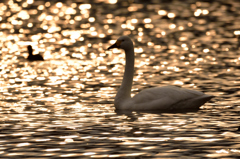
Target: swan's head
123,42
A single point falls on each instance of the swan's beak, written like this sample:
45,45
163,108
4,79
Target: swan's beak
116,45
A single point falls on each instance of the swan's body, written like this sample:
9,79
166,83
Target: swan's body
158,98
32,57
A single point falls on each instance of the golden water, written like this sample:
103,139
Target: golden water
63,106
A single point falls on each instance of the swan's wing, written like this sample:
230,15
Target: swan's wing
175,93
167,97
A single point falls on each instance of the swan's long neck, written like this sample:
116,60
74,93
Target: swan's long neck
124,91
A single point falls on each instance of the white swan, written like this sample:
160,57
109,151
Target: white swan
159,98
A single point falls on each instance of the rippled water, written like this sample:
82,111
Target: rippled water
63,106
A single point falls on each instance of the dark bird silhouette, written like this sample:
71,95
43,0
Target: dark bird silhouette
32,57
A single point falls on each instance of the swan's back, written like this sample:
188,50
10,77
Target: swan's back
167,97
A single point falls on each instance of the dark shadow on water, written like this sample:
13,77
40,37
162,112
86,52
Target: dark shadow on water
131,112
133,115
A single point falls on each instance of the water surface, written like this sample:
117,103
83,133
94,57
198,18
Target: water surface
63,106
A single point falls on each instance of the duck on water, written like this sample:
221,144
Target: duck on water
32,57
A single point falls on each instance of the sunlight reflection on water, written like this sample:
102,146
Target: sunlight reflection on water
63,106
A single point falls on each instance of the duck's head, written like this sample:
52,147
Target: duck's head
29,48
123,42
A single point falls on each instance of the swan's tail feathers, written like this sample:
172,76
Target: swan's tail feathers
206,98
199,101
193,103
209,97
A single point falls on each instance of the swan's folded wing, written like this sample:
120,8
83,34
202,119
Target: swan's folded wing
164,97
